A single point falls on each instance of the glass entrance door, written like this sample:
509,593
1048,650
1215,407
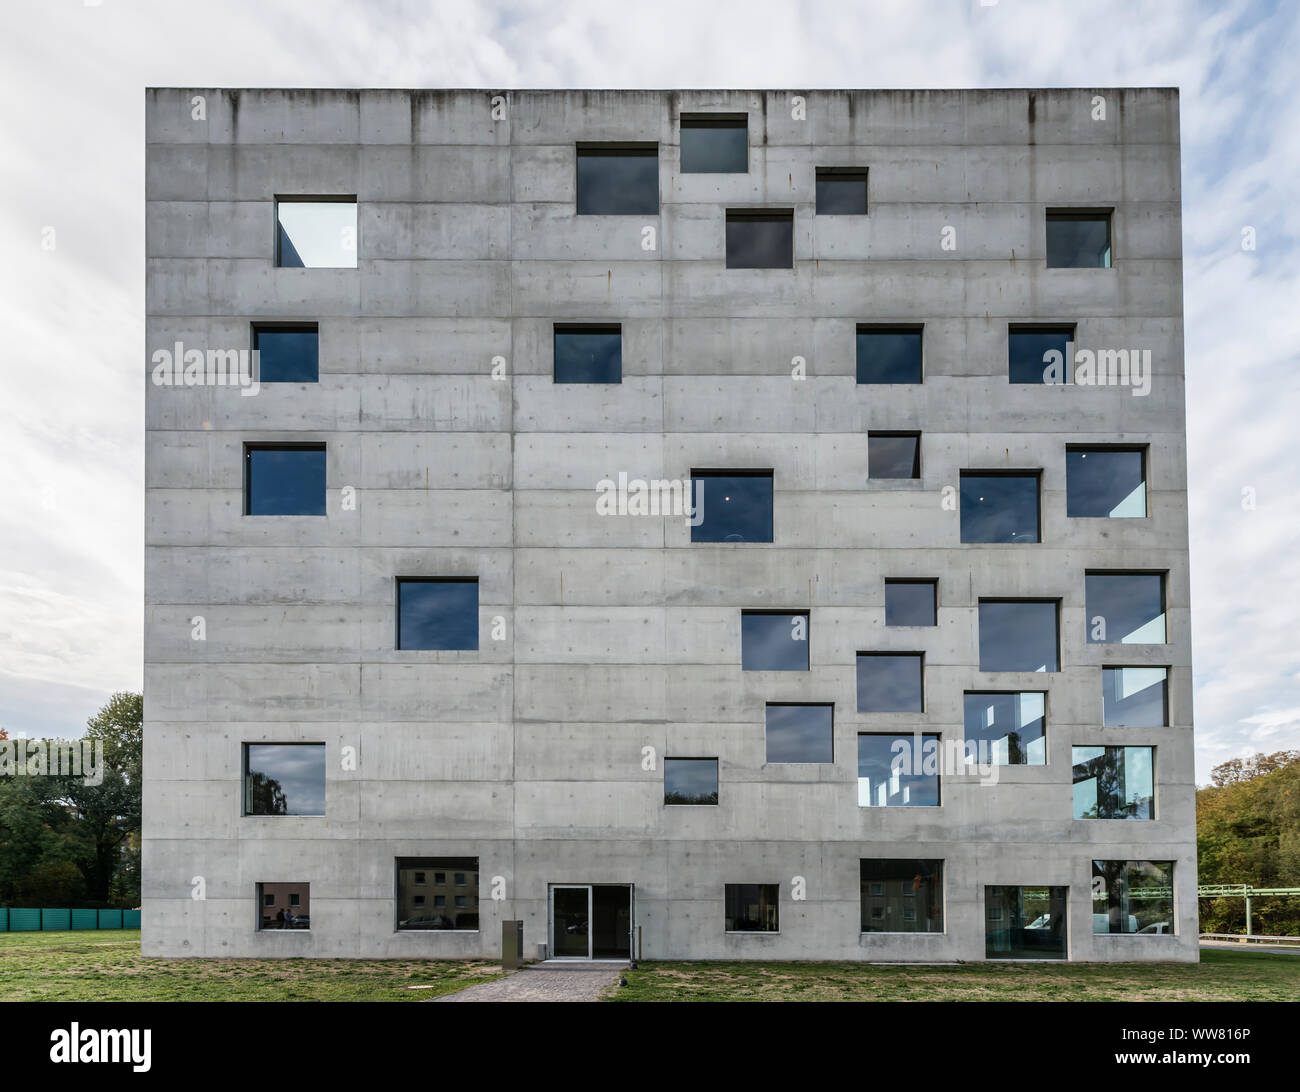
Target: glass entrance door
571,922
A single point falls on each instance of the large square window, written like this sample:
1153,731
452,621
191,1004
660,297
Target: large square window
752,907
287,354
891,682
889,354
316,233
284,779
1134,697
800,733
690,780
1031,354
1000,507
1133,897
893,455
1105,482
1078,239
588,354
1011,728
714,143
911,602
901,895
284,479
731,506
760,239
1019,635
841,191
411,913
898,771
1114,782
1025,922
773,640
618,180
437,613
1126,608
283,906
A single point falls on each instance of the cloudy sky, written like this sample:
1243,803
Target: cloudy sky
72,73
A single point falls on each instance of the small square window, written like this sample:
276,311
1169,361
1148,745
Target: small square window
1105,482
588,354
714,143
893,455
1019,635
287,354
284,779
414,912
1030,922
440,879
461,902
889,354
1078,239
460,879
752,907
618,180
690,780
268,900
911,602
295,899
1040,354
841,191
760,239
419,902
999,507
920,882
284,479
891,682
898,771
439,902
773,640
732,505
1135,697
1126,608
1114,782
1133,897
1007,729
437,613
800,733
419,879
316,233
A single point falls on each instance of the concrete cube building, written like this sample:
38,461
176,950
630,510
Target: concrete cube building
696,524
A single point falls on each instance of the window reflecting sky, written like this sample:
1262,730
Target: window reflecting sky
286,481
1018,635
737,508
999,507
1078,242
1105,482
766,243
618,182
297,771
889,682
889,356
438,614
588,356
1131,607
318,234
773,642
800,733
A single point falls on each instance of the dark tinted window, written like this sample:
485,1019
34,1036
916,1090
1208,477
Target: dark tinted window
1078,240
890,682
1105,482
284,905
773,642
316,234
800,733
1027,354
1126,608
1133,897
1025,922
1013,726
910,602
286,354
889,356
284,779
588,354
1018,635
898,771
286,480
714,144
1134,697
618,181
893,455
736,507
999,507
1114,782
690,780
760,240
413,910
901,896
841,192
437,614
752,908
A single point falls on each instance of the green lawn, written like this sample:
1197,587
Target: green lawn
107,966
1220,976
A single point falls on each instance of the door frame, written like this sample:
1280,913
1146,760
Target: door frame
590,889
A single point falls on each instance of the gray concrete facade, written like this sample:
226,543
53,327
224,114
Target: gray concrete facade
619,634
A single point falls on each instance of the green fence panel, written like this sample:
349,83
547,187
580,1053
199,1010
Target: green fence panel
56,920
24,921
130,919
4,919
85,919
110,919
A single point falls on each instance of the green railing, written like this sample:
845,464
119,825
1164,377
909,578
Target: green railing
18,919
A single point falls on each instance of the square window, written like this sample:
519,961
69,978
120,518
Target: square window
268,900
898,771
287,354
460,879
841,191
1133,897
1026,922
690,780
284,779
1011,728
890,682
893,455
800,733
1114,782
461,902
419,879
440,879
439,903
732,505
296,911
889,354
419,902
1019,635
1134,697
284,479
752,907
295,899
588,354
1126,608
917,880
437,613
714,143
1105,482
618,180
1031,354
877,888
316,233
411,912
1000,507
1078,239
773,640
760,240
911,602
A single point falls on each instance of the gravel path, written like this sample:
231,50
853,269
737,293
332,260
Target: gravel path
545,983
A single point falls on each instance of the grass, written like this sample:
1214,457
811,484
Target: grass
107,966
1220,976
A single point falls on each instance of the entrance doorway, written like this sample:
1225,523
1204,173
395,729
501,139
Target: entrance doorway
591,921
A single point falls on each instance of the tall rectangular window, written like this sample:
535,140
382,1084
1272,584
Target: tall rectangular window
283,906
898,771
732,505
588,354
1078,238
1019,635
690,780
1114,782
1012,726
760,239
800,732
889,354
316,232
1025,922
841,191
1040,354
284,479
901,895
1133,897
284,779
1125,608
773,640
618,180
1105,482
287,353
999,507
911,602
752,907
891,682
714,143
1135,697
893,455
411,912
438,613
